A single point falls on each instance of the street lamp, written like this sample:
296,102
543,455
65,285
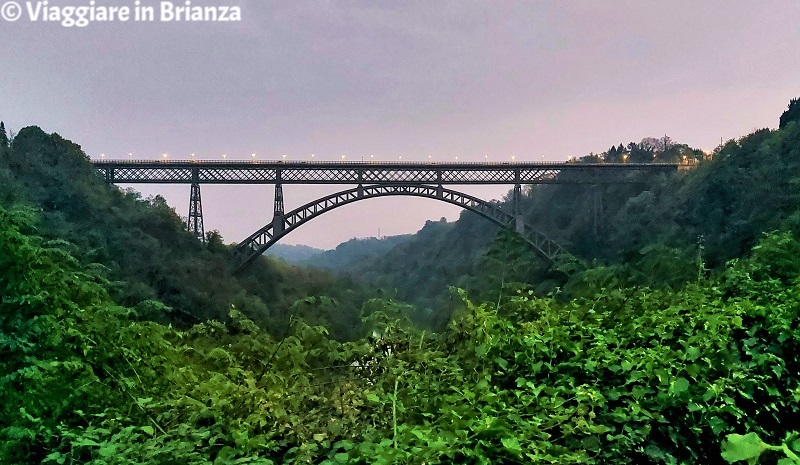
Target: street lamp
284,157
486,158
164,156
513,158
343,157
456,158
224,156
312,156
253,156
130,155
542,158
103,156
429,158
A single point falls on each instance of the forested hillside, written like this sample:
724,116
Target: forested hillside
124,340
141,247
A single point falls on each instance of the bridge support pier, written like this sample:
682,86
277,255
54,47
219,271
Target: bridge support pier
278,217
194,224
519,224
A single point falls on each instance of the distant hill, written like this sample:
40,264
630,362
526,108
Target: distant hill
346,257
352,255
293,253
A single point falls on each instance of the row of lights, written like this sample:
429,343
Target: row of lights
313,155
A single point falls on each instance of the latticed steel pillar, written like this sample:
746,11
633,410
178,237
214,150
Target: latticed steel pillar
278,217
519,225
195,221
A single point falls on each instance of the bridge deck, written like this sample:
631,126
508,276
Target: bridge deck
344,172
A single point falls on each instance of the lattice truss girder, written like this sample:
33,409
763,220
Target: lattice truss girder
244,173
262,239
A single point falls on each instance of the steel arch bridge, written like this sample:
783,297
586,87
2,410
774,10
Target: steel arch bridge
374,179
261,240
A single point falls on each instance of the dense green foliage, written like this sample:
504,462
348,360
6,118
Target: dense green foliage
623,376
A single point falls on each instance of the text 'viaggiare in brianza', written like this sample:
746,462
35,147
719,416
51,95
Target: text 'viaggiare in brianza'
82,15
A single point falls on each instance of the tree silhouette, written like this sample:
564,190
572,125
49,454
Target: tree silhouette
792,114
3,135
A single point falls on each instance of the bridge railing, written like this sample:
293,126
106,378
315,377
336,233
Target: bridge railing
375,162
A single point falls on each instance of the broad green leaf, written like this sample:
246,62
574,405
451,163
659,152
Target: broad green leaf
502,363
512,444
679,386
742,447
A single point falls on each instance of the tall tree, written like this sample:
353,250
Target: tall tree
792,114
3,135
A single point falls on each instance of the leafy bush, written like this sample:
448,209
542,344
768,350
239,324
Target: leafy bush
623,376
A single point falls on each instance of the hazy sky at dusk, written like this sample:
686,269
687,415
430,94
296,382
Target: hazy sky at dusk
398,78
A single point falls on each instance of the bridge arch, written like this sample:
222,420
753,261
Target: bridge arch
258,242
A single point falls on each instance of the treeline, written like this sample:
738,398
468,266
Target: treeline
140,246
